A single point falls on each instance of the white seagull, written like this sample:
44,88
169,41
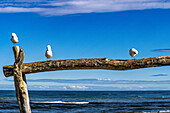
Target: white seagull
133,52
14,38
48,52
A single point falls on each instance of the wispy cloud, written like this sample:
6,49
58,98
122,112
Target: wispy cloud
96,88
161,50
75,87
95,84
59,87
158,75
64,7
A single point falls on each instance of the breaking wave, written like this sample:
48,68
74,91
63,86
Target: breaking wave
59,102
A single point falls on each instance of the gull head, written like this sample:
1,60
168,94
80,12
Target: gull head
48,47
133,52
13,34
14,38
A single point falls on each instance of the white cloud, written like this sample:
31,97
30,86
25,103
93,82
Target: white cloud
107,79
64,87
78,87
44,87
19,9
64,7
140,87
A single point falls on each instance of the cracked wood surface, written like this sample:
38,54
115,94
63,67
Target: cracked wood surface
94,63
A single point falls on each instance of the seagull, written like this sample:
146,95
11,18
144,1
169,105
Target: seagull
48,52
14,38
133,52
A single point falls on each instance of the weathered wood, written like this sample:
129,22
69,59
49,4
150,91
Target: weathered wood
16,51
16,54
95,63
20,85
24,78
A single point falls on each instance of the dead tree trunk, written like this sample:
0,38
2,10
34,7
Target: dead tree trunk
20,84
95,63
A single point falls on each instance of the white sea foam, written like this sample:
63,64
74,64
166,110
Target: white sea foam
59,102
167,111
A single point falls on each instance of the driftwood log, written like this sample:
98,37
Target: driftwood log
20,81
95,63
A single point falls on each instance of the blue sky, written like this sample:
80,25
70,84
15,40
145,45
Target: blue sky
87,29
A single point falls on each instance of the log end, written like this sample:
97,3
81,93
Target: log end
8,71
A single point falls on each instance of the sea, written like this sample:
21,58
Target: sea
89,102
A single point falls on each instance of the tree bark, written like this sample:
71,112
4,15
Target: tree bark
95,63
20,84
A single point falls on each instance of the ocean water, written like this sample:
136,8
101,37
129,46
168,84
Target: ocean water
89,101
